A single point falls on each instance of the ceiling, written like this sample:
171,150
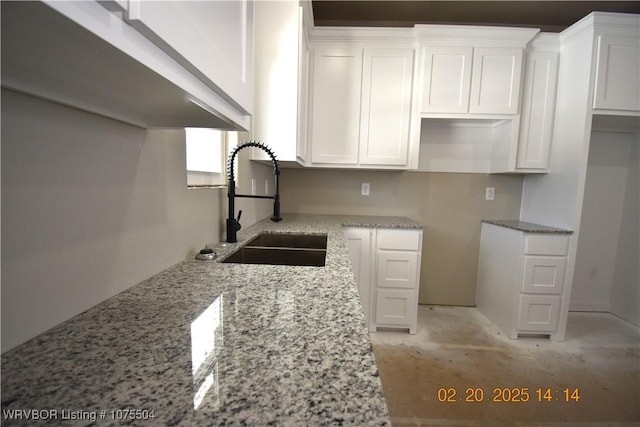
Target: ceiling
549,16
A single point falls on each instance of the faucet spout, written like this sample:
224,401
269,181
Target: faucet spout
233,225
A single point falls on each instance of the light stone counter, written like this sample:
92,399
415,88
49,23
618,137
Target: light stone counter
527,227
207,343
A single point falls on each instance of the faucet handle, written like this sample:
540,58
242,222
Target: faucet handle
238,226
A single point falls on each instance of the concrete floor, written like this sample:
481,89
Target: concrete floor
458,348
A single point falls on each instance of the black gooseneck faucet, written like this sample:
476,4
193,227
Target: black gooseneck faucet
233,225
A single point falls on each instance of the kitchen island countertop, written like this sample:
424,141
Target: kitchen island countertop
208,343
527,227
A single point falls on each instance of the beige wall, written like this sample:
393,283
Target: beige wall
92,206
449,205
606,276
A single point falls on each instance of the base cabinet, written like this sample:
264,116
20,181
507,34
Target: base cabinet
396,308
386,264
521,279
538,313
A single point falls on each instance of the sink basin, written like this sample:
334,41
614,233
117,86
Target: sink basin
282,240
282,249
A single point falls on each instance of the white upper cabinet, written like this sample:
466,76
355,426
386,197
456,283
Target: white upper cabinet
171,64
617,85
281,76
213,40
386,106
360,106
335,105
468,80
495,81
538,110
471,70
447,79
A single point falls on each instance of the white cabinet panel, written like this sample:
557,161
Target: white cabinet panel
538,110
396,307
447,79
543,275
386,106
359,245
280,87
495,82
538,313
396,239
546,245
617,74
213,40
335,105
397,269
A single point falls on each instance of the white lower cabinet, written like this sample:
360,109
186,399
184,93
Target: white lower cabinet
396,308
538,313
521,279
359,244
386,264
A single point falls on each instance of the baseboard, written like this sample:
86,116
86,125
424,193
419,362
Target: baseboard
590,306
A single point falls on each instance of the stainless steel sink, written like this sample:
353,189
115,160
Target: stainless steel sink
282,249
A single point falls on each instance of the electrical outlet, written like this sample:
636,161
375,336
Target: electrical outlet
366,187
253,186
490,193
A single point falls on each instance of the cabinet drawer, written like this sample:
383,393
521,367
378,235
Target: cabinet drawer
546,245
396,307
397,269
404,240
538,313
543,275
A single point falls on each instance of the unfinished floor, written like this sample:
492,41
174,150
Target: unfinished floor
459,350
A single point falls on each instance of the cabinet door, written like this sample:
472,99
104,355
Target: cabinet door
399,239
397,269
277,56
397,307
495,83
386,106
359,244
538,313
213,40
617,74
543,275
335,106
538,110
303,91
446,79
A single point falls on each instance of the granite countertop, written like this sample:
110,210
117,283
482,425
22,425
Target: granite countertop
207,343
527,227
